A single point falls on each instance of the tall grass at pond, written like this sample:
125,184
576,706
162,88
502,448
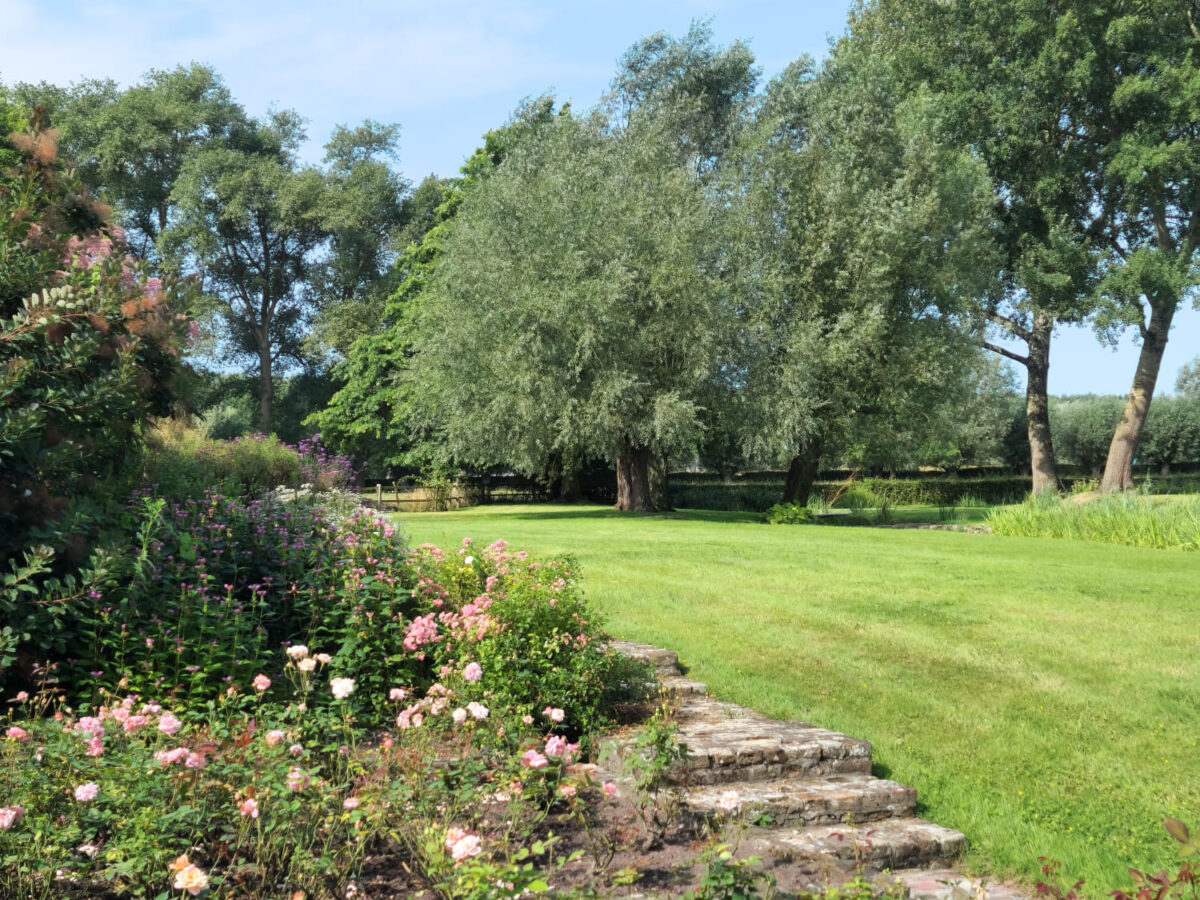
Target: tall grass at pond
1139,521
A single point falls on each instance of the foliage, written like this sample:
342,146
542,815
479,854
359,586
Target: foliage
837,191
1164,885
729,878
1188,380
570,351
88,352
249,222
789,514
1172,524
1083,429
201,725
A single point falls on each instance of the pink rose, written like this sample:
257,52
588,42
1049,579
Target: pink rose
478,710
473,672
261,682
567,790
554,714
17,733
534,760
86,793
168,724
610,790
351,803
249,808
10,816
275,737
459,716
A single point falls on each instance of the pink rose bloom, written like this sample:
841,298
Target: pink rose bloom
397,694
473,672
297,651
478,710
527,719
466,847
275,737
90,725
261,682
135,723
342,687
168,724
610,790
297,779
21,697
86,793
533,760
459,716
10,816
557,746
195,760
554,714
567,790
307,665
323,658
296,750
351,803
95,747
17,733
170,757
249,808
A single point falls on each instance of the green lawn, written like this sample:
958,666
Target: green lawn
1043,696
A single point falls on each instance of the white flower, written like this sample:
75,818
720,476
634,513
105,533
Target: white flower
342,687
297,651
307,664
469,560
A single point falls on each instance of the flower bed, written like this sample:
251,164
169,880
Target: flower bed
267,696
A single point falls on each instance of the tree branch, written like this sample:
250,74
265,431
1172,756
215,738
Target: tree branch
1012,326
1004,351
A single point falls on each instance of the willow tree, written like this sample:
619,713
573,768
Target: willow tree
858,237
574,308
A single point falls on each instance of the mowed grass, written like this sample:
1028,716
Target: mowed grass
1043,696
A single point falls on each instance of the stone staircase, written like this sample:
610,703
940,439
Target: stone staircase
824,810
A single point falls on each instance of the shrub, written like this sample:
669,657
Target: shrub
263,693
789,514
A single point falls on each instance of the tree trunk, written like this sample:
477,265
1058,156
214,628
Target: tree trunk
633,478
1118,471
570,488
1165,469
266,389
659,477
1037,406
802,473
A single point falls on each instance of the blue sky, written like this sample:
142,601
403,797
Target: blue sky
447,72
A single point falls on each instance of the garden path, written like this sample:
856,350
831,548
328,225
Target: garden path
829,815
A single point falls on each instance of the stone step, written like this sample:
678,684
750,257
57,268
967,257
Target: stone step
891,844
946,884
801,802
666,662
723,750
680,685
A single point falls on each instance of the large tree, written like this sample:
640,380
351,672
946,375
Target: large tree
857,237
574,308
364,208
1142,106
131,145
250,222
1003,82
